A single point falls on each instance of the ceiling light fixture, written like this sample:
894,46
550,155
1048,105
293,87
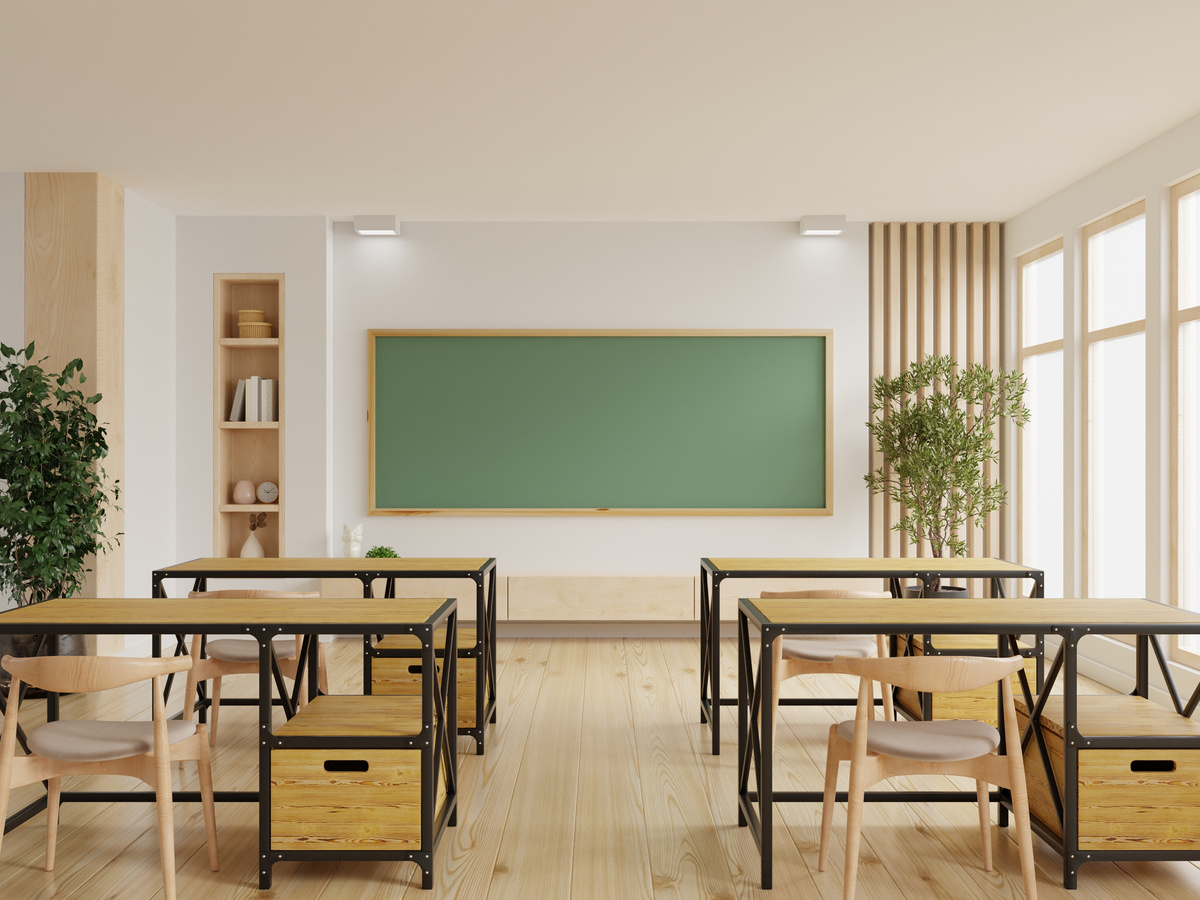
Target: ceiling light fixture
822,225
376,225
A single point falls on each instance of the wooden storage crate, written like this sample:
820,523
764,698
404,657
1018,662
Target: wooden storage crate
1129,799
401,675
979,704
352,799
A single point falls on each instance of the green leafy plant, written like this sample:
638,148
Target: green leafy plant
935,425
381,552
53,488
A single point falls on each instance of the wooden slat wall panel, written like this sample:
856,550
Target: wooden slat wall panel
935,289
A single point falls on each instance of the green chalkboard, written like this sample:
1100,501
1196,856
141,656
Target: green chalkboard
716,423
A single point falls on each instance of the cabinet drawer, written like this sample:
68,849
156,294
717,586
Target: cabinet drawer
347,799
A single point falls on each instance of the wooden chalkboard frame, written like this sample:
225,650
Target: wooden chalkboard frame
825,510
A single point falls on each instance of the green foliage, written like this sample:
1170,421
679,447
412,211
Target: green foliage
935,425
53,490
381,552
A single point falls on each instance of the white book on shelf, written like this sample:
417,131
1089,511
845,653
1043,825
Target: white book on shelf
237,412
252,398
266,400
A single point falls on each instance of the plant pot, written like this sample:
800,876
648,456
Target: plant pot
946,591
23,645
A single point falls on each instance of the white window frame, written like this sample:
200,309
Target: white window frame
1178,318
1090,338
1026,352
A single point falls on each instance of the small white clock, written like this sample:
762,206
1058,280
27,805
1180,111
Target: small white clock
268,492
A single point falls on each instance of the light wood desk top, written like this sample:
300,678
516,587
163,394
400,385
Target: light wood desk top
1017,616
141,616
331,567
895,567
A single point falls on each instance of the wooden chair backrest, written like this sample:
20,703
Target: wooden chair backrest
818,594
84,674
943,674
255,595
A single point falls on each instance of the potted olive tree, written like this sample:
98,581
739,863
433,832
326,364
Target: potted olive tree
53,488
935,425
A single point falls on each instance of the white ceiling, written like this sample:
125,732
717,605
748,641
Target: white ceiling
666,110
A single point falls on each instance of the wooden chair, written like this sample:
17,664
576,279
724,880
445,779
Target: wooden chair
239,656
85,747
814,656
879,750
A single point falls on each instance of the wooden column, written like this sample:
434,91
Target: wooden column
75,307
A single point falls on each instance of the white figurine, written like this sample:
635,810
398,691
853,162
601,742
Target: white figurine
352,538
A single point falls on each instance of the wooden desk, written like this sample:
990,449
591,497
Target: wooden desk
479,569
716,570
1071,619
262,620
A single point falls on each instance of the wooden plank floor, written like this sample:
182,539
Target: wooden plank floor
597,783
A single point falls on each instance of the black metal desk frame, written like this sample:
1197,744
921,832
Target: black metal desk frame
710,616
439,703
756,738
483,652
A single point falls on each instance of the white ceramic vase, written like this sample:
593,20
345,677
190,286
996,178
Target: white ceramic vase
243,492
253,548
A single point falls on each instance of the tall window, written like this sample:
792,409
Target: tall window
1041,454
1115,404
1185,323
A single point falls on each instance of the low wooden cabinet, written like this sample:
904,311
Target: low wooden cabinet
397,670
363,777
349,797
1141,797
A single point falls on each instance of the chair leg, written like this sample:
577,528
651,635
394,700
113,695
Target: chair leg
853,828
1020,802
832,759
985,822
8,747
881,650
204,764
322,669
165,802
213,710
53,795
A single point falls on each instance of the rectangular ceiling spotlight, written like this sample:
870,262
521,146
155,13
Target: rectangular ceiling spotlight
822,225
376,225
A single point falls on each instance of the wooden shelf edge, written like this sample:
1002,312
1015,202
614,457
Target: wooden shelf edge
250,426
249,342
248,507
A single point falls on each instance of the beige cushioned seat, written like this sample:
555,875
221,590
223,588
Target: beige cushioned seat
86,740
937,741
245,650
825,649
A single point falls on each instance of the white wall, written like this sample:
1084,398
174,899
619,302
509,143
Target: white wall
296,246
601,275
12,258
149,488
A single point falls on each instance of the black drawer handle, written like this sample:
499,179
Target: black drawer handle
346,765
1152,765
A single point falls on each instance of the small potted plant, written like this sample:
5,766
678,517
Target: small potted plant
381,552
935,425
53,489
